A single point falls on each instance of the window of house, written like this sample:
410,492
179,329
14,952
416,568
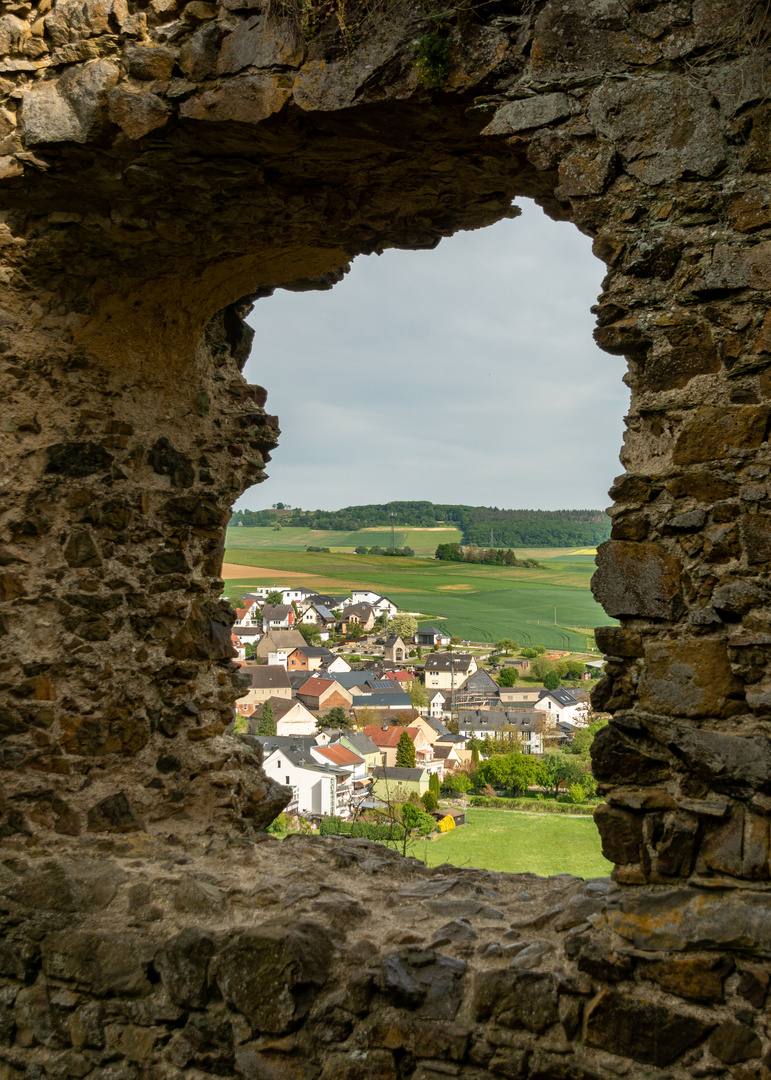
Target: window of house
287,779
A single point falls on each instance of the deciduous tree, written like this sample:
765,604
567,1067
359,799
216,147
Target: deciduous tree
403,624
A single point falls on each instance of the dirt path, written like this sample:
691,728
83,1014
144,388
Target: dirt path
235,571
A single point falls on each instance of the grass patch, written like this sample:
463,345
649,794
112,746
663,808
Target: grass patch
519,843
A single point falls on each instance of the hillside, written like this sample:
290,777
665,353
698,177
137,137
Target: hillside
483,525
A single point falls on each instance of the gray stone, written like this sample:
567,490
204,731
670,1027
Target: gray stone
102,961
183,964
272,973
636,579
47,117
456,931
516,999
641,1029
733,1042
664,129
529,113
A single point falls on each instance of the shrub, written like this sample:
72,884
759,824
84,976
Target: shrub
279,824
576,794
446,823
430,801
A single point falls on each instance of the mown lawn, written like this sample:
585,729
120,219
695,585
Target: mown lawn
476,602
517,843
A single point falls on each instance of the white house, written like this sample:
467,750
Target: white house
443,671
294,596
566,705
278,617
380,604
526,724
317,790
248,615
291,716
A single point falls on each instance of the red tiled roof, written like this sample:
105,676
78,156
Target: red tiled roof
391,735
316,686
340,755
398,676
241,611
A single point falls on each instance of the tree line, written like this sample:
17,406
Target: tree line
481,525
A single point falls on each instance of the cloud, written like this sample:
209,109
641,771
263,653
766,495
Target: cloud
466,374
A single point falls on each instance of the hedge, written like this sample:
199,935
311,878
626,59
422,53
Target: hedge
369,830
533,805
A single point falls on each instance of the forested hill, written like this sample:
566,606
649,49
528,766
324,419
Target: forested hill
484,525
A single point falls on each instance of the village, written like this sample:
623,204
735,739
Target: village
358,709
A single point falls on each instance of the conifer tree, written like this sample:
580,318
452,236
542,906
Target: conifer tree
267,725
405,752
433,784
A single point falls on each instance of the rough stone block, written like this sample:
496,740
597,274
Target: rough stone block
529,113
516,999
732,1042
636,580
680,920
616,641
183,964
755,533
695,978
710,433
621,834
640,1029
104,962
272,973
688,678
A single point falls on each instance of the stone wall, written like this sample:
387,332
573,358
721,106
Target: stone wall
332,959
163,165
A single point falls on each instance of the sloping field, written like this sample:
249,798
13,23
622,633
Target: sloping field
422,541
474,602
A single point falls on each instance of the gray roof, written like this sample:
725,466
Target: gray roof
452,739
349,679
316,651
324,612
297,750
385,700
444,661
391,640
438,726
267,676
276,611
359,610
489,719
432,630
565,695
361,742
481,680
384,684
383,772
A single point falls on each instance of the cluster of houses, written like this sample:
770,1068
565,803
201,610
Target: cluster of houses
339,770
304,607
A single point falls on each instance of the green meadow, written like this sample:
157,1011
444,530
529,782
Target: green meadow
422,541
518,843
480,603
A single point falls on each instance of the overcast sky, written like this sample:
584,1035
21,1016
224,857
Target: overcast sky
466,374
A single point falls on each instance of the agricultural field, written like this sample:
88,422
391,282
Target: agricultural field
517,843
479,603
422,541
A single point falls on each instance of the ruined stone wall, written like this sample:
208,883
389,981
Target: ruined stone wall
162,166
